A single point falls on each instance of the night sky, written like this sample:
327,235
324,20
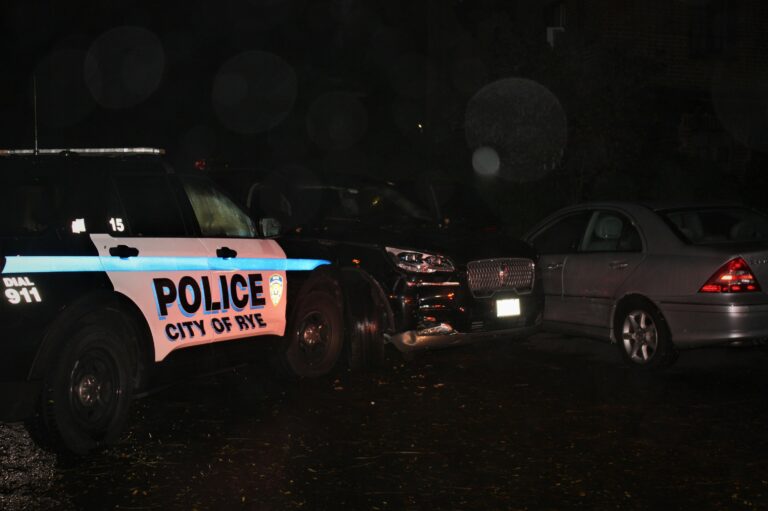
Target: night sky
245,80
468,89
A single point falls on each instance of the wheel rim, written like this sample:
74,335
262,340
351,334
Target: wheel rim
314,338
640,336
95,389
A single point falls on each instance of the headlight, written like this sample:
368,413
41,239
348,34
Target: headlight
419,262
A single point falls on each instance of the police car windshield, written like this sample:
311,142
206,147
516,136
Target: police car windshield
379,204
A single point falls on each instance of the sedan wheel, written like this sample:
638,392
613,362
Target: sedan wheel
642,335
639,336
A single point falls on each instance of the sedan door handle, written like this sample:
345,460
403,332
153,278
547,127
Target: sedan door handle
618,265
225,253
553,266
123,251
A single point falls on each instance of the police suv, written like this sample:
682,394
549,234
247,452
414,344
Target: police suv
111,263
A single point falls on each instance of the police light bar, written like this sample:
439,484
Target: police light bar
107,151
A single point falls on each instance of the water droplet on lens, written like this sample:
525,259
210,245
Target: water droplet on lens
523,122
254,91
124,66
485,161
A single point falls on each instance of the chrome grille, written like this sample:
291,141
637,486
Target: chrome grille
488,276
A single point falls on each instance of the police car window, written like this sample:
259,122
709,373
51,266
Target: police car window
90,202
150,206
28,203
217,215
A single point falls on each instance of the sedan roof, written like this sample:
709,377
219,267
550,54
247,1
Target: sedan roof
659,205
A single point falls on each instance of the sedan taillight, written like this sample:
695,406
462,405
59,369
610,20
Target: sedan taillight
735,276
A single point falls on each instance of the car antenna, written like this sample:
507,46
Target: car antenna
34,109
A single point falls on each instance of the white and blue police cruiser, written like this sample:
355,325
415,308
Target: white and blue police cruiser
111,263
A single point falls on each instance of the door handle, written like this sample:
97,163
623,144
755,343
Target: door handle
618,265
225,253
123,251
553,266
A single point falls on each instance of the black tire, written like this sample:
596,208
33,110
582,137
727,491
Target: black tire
642,336
315,337
365,344
87,389
365,349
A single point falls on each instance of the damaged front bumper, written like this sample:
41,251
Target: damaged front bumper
444,336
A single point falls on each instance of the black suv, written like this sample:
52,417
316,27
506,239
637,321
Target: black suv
408,276
111,264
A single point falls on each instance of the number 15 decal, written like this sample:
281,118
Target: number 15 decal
117,224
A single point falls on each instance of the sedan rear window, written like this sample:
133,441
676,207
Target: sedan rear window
703,226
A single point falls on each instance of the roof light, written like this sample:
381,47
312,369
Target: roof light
103,151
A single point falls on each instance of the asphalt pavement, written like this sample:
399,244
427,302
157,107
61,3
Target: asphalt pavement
542,424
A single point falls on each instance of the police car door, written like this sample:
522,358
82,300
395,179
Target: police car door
249,273
150,257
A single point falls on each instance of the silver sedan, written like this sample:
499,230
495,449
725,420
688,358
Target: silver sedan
655,277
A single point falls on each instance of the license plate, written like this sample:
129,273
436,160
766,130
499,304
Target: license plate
507,307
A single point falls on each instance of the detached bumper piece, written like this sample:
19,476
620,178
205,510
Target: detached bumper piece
444,336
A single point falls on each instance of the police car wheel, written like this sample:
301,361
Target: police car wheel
88,393
316,338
